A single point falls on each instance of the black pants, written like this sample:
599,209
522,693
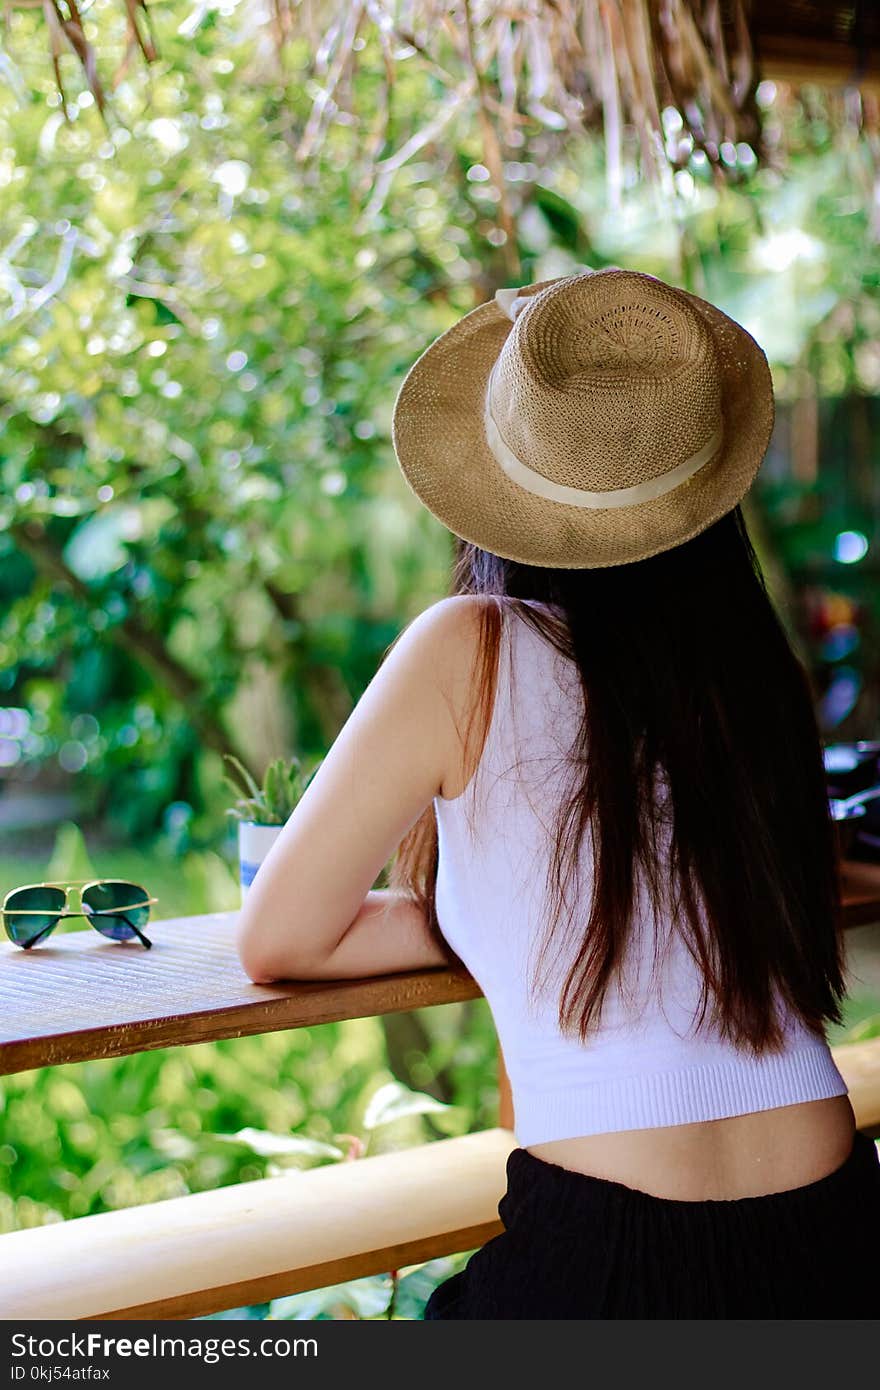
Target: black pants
581,1247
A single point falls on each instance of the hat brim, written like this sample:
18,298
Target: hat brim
442,450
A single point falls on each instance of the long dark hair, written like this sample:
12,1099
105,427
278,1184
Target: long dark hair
687,670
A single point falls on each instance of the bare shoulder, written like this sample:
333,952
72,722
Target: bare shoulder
453,641
448,636
456,616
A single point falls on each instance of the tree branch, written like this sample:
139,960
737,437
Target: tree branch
327,691
140,642
492,154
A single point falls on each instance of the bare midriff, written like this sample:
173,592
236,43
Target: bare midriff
746,1156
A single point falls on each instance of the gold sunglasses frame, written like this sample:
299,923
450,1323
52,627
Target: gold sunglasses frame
69,886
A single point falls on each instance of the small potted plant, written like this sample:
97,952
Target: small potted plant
262,811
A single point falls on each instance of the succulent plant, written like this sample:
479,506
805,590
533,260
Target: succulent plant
284,782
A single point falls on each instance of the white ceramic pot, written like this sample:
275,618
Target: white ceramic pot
254,843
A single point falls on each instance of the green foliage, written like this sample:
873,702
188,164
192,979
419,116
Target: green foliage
97,1136
277,1146
401,1294
359,1298
70,858
195,427
395,1102
862,1019
284,783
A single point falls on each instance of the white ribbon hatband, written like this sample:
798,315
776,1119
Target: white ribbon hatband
648,491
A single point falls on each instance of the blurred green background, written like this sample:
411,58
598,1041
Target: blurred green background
206,545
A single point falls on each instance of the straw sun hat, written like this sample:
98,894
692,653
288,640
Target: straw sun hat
587,421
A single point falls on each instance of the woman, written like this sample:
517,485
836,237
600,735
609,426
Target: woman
598,764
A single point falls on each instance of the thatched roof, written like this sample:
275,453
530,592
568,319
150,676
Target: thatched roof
825,42
565,65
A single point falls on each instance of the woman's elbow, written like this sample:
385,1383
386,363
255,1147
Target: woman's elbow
258,972
257,958
265,958
257,967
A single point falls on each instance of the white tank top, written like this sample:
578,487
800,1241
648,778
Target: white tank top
648,1064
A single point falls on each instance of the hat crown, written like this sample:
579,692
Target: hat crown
606,381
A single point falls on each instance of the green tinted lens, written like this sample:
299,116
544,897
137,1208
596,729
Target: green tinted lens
116,908
30,913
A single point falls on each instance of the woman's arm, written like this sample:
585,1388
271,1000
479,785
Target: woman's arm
388,934
310,912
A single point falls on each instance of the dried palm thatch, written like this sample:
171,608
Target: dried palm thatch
563,63
511,68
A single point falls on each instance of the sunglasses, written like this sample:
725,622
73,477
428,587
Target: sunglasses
114,907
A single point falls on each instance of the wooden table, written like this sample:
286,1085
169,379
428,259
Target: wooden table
79,997
861,893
